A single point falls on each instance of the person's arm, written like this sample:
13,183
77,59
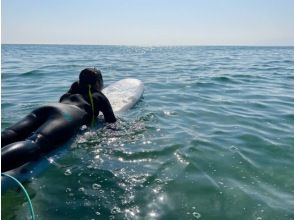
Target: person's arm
64,96
73,89
105,107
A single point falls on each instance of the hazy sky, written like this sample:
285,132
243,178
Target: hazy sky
149,22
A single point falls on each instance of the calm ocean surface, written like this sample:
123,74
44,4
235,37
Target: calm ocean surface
212,137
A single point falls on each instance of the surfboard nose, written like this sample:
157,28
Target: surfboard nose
124,94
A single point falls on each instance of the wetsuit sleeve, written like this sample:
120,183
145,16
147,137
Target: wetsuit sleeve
105,107
73,89
64,96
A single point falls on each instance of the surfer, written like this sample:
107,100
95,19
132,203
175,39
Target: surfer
52,125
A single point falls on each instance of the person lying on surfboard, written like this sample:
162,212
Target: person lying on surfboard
50,126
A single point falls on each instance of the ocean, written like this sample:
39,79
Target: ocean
211,138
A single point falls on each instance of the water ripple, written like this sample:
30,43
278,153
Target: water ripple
212,137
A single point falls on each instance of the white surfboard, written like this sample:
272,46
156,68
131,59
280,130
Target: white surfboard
122,95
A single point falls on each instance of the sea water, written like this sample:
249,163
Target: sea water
211,138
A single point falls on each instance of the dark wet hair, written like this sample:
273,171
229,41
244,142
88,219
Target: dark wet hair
90,76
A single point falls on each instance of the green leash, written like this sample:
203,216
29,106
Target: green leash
25,192
92,105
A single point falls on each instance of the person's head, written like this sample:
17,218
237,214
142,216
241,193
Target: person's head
93,77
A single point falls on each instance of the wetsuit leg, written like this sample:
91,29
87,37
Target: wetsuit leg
62,121
22,129
17,154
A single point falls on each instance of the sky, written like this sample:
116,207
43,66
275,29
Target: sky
148,22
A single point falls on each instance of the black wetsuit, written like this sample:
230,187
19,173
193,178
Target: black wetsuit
49,126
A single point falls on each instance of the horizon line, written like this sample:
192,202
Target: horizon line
155,45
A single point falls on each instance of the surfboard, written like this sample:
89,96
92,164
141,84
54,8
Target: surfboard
122,95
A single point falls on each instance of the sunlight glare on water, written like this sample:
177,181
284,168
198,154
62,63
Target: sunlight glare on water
211,138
